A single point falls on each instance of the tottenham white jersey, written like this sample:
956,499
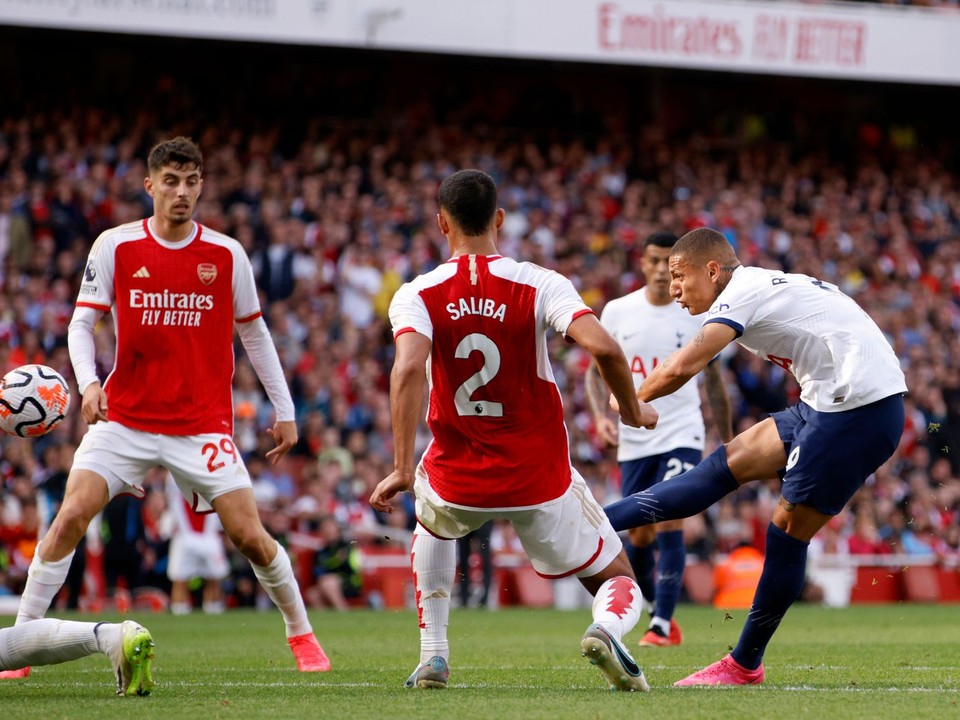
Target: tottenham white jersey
648,335
838,355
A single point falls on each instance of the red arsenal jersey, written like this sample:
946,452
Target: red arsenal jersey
499,440
174,306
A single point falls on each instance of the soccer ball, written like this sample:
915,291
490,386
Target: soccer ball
33,400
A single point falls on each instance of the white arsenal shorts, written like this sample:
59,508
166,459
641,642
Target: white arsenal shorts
203,466
567,536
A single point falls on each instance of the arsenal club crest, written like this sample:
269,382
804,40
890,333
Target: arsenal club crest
207,272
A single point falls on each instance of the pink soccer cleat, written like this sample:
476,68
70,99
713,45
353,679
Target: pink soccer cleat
310,656
14,674
654,637
726,671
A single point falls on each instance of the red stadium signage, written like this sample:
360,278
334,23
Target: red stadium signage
761,37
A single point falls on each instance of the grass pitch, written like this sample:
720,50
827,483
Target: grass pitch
895,661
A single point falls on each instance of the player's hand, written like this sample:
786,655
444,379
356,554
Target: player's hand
614,405
93,404
284,434
649,417
387,488
607,431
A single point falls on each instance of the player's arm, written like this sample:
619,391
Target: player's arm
407,380
83,357
266,363
719,400
597,394
587,331
674,372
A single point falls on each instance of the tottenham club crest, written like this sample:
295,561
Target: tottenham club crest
207,272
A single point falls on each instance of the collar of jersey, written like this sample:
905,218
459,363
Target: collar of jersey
166,243
488,257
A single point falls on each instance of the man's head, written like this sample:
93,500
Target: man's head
468,201
656,268
180,152
174,181
701,264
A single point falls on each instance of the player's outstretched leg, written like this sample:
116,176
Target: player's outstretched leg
616,609
44,580
48,641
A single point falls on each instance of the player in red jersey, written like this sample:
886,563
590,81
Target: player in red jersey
176,290
479,324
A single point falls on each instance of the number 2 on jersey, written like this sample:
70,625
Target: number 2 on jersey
487,372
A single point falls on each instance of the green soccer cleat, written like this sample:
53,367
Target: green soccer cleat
131,659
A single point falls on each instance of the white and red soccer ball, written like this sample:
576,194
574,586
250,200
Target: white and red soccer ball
33,401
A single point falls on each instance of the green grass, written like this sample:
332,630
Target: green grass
899,661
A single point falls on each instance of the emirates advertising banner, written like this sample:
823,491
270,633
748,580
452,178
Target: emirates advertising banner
859,41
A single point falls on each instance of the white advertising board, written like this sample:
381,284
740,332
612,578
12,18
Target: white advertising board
845,40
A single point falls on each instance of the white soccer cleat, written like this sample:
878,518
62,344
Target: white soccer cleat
619,667
431,675
131,658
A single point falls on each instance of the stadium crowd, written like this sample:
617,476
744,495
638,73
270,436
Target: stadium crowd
335,222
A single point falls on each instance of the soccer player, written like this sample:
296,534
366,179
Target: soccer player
176,290
847,423
48,642
196,551
477,328
650,326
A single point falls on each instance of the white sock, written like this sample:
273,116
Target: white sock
47,642
661,624
44,580
617,606
434,566
213,607
180,608
278,580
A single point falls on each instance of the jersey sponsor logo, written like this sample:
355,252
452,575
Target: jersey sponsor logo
207,272
142,272
477,306
170,308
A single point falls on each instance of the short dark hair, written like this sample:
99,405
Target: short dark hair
661,239
705,244
470,197
180,152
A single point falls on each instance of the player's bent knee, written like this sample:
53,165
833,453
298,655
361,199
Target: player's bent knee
256,545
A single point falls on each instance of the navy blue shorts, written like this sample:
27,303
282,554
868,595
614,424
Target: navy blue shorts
644,473
830,455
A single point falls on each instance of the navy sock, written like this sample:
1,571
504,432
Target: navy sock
679,497
643,564
673,559
781,582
